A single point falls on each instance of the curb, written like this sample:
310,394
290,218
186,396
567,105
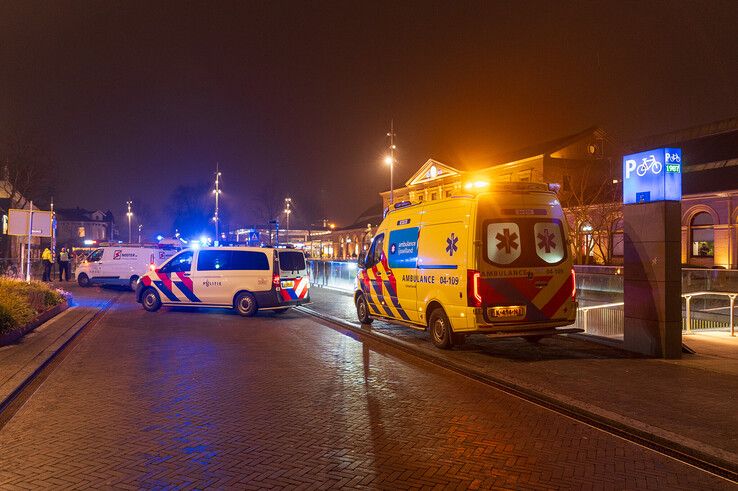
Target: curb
703,456
8,401
15,335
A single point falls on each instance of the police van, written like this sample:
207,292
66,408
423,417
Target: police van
120,265
496,262
247,279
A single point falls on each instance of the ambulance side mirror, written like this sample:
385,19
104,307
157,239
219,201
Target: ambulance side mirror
361,261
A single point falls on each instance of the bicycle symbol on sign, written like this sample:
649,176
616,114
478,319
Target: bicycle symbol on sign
649,163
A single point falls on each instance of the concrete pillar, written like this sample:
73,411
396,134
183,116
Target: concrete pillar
652,279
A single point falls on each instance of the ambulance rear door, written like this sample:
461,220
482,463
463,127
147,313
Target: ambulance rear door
525,266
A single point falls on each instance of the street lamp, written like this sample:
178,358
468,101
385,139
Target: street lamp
140,227
129,215
216,192
390,160
287,211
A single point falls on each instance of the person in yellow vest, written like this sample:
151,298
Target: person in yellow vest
46,259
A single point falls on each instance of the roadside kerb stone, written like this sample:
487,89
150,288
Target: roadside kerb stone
16,334
19,368
706,456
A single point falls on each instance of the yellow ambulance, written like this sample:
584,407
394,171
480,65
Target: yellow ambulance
495,262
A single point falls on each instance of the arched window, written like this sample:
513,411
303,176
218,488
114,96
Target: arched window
703,235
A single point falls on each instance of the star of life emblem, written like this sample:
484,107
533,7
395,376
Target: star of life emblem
549,243
503,242
451,246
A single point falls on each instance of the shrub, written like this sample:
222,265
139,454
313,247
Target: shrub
20,302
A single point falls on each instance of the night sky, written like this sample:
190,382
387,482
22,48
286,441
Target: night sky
134,99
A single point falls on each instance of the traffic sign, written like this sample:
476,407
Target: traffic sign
18,223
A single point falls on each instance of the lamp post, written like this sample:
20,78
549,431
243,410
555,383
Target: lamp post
390,160
287,211
129,214
216,191
140,227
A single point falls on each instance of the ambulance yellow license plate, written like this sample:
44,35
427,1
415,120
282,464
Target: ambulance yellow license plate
507,311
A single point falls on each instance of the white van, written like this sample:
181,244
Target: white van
120,265
247,279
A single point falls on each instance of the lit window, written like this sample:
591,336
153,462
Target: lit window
81,232
703,235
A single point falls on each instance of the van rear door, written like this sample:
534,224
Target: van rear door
525,265
293,277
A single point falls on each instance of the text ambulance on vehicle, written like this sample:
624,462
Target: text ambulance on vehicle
497,263
247,279
120,264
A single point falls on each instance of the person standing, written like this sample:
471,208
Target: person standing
64,264
46,260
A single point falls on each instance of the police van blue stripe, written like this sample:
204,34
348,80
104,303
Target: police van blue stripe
187,292
166,291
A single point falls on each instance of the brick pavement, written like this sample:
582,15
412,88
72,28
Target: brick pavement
688,401
193,399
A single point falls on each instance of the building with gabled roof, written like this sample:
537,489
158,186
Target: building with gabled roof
557,160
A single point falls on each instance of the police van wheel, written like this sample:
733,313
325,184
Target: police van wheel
83,280
440,329
132,283
150,300
362,310
245,304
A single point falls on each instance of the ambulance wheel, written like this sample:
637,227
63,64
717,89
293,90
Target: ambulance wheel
132,283
245,304
83,280
440,329
281,311
150,300
362,310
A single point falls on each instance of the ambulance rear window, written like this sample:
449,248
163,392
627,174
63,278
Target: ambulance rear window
524,242
291,261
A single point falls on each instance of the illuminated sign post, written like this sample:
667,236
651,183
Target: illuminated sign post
652,193
655,175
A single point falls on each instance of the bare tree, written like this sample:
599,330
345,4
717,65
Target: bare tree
590,199
27,170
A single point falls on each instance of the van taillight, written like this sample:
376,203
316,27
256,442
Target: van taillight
275,281
473,297
573,279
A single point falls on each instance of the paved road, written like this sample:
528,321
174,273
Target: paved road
188,399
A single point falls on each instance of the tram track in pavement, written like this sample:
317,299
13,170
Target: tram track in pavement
25,390
660,444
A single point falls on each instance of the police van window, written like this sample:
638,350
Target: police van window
291,261
249,260
95,255
179,263
213,260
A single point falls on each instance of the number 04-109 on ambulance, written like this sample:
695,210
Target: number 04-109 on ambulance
494,263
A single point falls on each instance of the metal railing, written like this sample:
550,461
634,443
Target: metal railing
595,286
687,324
